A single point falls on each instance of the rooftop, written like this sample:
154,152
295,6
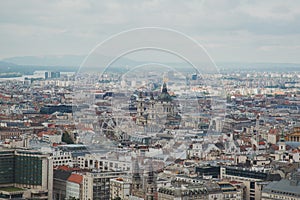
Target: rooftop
283,185
75,178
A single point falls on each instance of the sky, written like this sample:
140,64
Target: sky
230,30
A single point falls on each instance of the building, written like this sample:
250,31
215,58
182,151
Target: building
74,186
60,178
52,138
283,189
96,185
90,161
294,136
183,193
208,171
29,172
120,187
10,132
52,75
161,110
51,108
144,183
61,158
230,192
250,178
199,191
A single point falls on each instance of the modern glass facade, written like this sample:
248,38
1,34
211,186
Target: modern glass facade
20,167
28,170
7,170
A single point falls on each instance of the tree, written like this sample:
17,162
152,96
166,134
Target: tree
67,138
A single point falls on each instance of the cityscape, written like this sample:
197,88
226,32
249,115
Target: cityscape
148,112
154,139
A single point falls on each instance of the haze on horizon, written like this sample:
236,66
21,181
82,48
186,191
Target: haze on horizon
231,31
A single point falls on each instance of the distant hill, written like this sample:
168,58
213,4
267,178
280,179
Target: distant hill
260,67
29,64
66,60
7,67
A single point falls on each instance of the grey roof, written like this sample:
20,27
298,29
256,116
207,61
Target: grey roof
283,185
62,175
294,145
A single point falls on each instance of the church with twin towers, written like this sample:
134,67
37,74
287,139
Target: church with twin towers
156,112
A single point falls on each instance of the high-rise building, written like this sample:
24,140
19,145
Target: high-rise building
52,75
96,185
28,172
120,188
144,184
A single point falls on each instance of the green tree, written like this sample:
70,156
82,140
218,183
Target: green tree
67,138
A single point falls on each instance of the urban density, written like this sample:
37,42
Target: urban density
152,136
150,100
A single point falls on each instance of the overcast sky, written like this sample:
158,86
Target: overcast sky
247,31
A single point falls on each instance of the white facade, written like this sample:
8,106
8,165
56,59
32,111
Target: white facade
72,190
94,162
62,158
56,138
119,187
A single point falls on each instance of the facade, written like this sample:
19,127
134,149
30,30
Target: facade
54,138
95,162
144,183
74,186
283,189
230,192
120,187
30,171
251,179
162,110
10,132
195,192
60,178
205,190
96,186
62,158
50,74
294,136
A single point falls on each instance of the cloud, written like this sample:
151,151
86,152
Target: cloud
35,27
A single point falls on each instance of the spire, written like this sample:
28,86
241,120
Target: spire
140,94
150,173
282,137
151,96
164,89
136,170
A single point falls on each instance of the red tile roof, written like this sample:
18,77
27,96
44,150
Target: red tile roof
75,178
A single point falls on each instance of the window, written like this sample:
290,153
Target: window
252,185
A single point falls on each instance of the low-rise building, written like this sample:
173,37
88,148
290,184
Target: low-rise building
283,189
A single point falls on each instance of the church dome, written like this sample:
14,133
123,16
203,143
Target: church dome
164,96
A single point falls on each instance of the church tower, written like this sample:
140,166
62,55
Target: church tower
137,184
151,109
281,143
140,105
141,118
150,183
